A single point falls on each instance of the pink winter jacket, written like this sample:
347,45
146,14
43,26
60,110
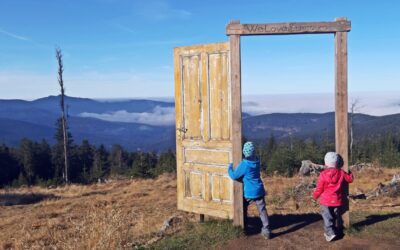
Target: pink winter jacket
329,186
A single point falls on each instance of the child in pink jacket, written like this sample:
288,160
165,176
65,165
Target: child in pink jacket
330,191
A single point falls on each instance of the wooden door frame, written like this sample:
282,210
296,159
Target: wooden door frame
339,28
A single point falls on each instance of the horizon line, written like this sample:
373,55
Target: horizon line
172,97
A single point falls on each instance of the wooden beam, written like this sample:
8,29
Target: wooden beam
339,25
236,105
341,108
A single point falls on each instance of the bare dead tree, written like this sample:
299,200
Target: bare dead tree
62,106
354,107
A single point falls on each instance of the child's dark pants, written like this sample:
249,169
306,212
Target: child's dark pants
332,219
262,210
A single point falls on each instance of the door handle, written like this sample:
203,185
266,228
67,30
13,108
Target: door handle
182,129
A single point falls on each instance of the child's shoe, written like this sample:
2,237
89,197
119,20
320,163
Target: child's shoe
329,237
266,235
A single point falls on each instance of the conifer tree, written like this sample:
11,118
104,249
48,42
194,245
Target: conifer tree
27,160
117,159
85,158
166,163
100,164
9,167
45,169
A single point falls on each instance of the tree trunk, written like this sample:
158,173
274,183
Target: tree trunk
65,134
63,118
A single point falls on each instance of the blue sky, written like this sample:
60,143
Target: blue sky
123,49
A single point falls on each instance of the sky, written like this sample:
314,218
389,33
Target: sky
124,48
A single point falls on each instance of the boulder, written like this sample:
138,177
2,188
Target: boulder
309,168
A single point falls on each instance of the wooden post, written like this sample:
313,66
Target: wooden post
201,218
236,105
340,28
341,109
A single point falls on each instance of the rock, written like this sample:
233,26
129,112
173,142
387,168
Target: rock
359,167
358,196
303,189
389,190
168,223
171,221
395,179
308,168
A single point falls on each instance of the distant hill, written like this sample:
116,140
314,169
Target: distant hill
36,120
315,126
12,131
75,106
80,105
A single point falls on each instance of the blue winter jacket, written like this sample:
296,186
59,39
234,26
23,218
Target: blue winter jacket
250,171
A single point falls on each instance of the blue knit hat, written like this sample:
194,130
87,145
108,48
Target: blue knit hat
248,149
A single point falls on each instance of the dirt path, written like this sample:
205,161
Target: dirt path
304,231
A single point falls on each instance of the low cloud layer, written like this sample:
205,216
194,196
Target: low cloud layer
160,116
367,103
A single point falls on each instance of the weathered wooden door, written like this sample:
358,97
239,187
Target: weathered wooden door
203,129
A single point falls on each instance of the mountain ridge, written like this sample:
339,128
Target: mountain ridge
36,120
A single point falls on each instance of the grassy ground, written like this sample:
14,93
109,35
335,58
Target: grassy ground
129,213
201,236
382,226
367,229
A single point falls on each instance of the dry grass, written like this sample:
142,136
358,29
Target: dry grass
119,214
368,180
281,198
127,213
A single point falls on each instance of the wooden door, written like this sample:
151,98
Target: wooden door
203,129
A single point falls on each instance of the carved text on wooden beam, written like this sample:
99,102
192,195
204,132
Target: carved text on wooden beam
288,28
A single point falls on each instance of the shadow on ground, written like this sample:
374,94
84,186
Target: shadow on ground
372,219
12,199
291,223
94,193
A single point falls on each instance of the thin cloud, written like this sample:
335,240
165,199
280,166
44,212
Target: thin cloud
13,35
161,116
124,28
161,11
155,43
369,103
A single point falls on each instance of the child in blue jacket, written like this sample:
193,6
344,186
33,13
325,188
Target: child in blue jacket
249,170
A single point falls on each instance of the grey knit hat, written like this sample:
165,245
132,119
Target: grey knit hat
331,159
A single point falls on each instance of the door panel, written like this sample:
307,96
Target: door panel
218,85
203,135
192,95
207,156
221,191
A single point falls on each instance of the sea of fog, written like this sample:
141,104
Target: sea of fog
377,104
